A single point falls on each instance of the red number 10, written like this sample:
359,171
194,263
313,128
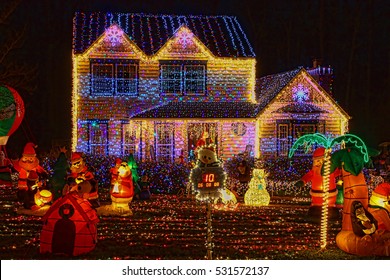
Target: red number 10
209,178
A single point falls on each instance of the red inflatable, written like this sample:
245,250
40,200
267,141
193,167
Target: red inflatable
379,205
317,189
69,227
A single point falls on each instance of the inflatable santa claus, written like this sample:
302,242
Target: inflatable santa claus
32,177
317,192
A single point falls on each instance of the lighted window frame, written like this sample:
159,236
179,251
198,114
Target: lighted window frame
183,77
111,77
164,141
287,134
130,140
98,137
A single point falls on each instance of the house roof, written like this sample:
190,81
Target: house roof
268,87
299,107
202,110
222,35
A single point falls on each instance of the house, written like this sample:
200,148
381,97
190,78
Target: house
153,85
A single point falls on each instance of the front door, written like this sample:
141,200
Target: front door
199,134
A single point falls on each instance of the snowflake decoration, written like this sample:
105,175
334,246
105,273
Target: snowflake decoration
300,93
114,35
185,38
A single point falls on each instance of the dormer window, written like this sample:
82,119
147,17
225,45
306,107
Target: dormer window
111,77
183,77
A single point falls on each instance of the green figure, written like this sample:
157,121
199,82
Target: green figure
58,179
134,171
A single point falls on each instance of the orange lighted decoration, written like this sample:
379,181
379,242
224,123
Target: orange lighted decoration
374,242
42,197
69,227
122,193
317,186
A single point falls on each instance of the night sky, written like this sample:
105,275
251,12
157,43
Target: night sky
350,36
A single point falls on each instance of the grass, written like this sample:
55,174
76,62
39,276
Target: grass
172,227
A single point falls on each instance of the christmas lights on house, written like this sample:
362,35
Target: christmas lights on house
199,69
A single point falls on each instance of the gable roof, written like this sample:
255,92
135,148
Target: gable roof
268,87
207,110
82,206
222,35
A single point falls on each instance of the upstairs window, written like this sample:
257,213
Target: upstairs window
184,77
111,77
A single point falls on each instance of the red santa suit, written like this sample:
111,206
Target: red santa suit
204,140
379,205
30,173
314,176
125,188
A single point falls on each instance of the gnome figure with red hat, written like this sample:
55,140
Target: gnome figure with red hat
317,190
379,204
82,181
32,177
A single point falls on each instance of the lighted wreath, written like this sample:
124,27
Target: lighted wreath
239,129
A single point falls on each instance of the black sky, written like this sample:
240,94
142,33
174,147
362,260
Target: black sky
350,36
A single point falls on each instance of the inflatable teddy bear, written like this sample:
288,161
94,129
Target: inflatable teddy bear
208,176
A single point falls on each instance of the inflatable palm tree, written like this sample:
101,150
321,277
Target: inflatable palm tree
328,143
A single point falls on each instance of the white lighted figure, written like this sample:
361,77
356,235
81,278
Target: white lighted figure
228,198
257,195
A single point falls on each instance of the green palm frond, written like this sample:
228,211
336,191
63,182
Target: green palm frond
354,141
309,140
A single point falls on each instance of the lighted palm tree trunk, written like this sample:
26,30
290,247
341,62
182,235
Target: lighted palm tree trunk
324,213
